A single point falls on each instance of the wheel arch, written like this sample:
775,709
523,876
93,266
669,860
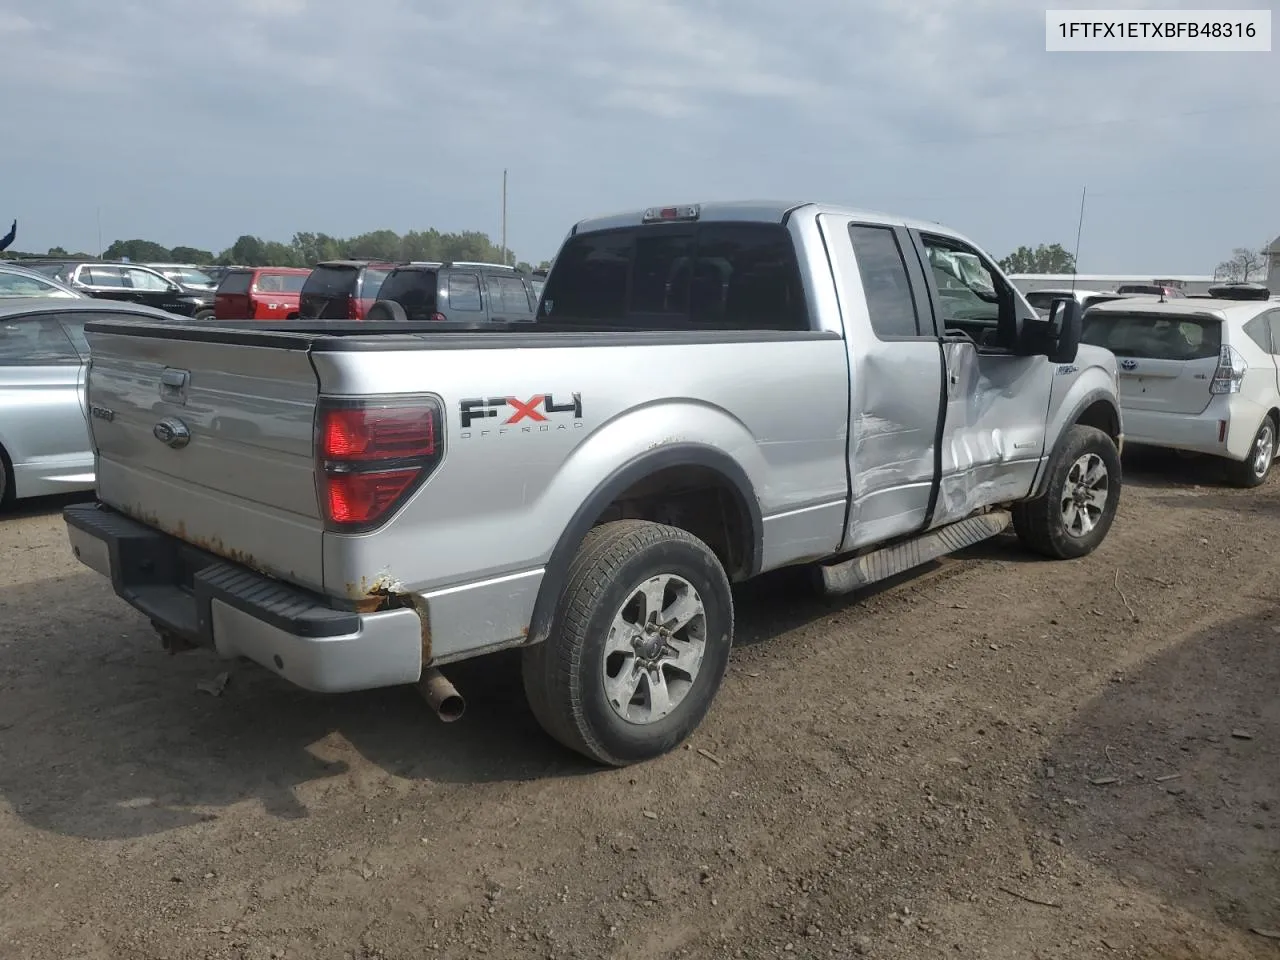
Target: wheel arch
1096,408
650,477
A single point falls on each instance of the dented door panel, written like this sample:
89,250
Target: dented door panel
895,396
994,432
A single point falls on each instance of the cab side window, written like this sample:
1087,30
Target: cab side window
885,282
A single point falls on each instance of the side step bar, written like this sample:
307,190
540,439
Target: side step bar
849,575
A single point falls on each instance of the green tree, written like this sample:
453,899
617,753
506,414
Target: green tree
246,251
191,255
378,245
1046,258
139,251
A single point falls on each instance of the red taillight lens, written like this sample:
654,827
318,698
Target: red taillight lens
373,455
353,309
438,317
378,433
358,498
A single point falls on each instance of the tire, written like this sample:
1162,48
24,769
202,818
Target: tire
1256,467
1042,524
387,311
565,676
6,480
201,316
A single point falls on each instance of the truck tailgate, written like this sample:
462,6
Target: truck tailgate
211,442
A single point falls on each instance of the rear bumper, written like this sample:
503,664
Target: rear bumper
241,613
1225,429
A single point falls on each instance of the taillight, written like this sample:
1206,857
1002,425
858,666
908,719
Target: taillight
1230,371
353,308
372,455
438,317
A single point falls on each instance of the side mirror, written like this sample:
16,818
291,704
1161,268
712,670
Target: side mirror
1066,323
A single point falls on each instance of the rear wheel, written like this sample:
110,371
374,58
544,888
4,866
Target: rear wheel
1079,503
639,646
6,480
1256,467
203,315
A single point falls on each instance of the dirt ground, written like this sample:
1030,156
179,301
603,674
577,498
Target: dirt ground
997,757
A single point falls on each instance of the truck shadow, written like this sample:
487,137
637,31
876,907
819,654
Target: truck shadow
105,736
1171,777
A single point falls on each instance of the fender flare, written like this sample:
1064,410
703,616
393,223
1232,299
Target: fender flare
1081,405
630,473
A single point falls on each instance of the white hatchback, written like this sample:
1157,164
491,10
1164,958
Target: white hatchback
1200,374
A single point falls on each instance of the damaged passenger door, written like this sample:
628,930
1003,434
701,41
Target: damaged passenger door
997,401
895,379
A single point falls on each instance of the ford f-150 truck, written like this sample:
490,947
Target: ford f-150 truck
708,392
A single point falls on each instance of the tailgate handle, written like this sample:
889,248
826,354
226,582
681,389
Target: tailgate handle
173,384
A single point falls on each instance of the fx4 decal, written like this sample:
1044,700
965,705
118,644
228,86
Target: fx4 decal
540,412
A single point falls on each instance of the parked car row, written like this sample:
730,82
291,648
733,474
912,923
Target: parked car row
461,291
132,283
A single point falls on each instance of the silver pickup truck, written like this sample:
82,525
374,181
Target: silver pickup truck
708,392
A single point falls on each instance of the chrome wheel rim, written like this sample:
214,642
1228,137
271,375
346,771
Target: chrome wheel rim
1085,494
654,649
1264,449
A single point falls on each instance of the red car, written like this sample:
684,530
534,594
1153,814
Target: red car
260,293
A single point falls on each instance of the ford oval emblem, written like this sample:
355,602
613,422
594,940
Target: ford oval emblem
1128,364
172,432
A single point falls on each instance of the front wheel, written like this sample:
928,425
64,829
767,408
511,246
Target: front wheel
203,315
639,646
1256,467
1079,504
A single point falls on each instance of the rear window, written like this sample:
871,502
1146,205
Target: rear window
740,276
237,282
1154,336
331,281
412,289
373,280
278,283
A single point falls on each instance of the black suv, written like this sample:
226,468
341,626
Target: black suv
342,289
111,280
460,291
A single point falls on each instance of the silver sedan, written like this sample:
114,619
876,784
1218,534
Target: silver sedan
44,435
18,281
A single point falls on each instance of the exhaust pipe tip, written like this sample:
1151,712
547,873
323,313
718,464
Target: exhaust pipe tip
441,695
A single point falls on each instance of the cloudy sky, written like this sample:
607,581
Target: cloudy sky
192,122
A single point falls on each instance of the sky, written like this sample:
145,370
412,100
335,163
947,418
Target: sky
191,123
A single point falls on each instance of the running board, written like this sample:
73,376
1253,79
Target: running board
849,575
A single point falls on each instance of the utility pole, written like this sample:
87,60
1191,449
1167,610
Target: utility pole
504,217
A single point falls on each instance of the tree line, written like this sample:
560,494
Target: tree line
307,249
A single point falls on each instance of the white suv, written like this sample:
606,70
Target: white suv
1198,374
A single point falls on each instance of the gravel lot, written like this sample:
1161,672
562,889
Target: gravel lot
997,757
